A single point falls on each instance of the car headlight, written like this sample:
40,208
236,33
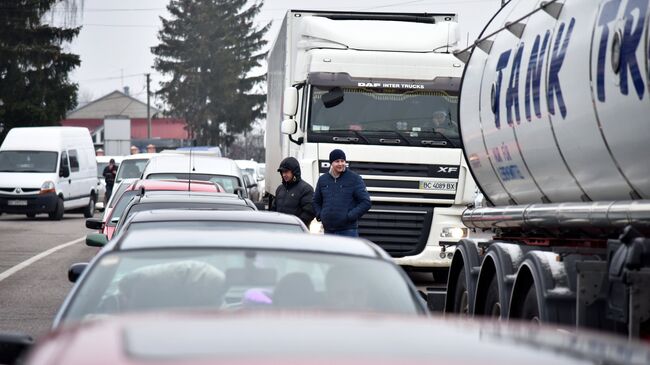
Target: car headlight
316,227
48,187
454,232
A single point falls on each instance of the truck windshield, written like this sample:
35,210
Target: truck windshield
28,161
386,116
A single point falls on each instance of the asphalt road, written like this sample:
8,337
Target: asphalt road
31,293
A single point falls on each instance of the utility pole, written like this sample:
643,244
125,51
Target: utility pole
148,109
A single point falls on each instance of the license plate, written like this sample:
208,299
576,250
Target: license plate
16,202
437,185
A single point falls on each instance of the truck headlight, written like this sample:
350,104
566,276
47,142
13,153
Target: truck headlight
316,227
47,187
453,232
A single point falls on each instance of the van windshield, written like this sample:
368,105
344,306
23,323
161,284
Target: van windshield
28,161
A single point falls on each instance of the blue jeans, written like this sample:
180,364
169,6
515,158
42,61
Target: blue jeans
347,232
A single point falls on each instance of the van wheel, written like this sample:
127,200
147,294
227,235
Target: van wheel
57,214
90,209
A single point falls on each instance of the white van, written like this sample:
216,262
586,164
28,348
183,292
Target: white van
48,170
131,166
223,171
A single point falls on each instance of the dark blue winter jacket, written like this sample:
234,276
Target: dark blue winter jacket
339,203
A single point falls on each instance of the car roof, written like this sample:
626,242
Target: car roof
139,156
168,215
200,164
327,338
198,196
177,185
247,239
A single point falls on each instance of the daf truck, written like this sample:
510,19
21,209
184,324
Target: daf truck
554,120
383,87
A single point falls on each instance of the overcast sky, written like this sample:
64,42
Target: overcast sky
115,41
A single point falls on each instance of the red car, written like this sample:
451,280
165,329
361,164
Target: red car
202,337
106,225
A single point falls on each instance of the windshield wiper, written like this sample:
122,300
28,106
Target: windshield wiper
433,143
348,139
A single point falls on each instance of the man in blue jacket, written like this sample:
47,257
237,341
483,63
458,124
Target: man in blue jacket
340,198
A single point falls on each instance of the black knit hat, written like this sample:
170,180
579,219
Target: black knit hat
337,154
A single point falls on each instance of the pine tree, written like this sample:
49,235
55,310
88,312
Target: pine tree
208,48
35,88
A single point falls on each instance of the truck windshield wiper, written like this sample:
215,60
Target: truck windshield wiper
432,143
402,136
348,139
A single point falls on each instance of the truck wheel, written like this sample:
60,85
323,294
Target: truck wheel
57,214
492,304
530,309
90,208
461,296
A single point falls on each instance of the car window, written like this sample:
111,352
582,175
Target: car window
74,160
217,226
122,203
236,279
131,169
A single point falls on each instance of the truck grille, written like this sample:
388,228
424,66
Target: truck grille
398,169
400,233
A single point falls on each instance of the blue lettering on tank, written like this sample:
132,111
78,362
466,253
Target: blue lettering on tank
501,64
607,14
629,45
512,93
557,58
534,75
510,172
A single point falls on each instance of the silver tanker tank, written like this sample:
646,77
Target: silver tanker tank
555,103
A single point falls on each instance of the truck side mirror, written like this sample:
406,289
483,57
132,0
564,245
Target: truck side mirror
333,97
290,106
289,126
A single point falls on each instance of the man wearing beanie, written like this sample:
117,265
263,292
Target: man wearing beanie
340,198
294,195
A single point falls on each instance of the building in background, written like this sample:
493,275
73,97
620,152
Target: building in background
101,113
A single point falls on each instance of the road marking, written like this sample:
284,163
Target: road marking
32,260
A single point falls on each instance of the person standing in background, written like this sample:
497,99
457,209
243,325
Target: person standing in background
340,198
295,195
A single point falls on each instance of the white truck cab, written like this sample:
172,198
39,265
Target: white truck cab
48,170
384,88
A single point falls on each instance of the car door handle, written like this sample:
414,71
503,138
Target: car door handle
69,181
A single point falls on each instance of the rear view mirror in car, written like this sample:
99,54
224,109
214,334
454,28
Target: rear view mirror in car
96,240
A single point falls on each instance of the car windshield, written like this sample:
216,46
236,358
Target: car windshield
229,183
28,161
131,169
232,279
217,226
386,116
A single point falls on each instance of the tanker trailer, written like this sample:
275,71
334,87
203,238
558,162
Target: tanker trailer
555,122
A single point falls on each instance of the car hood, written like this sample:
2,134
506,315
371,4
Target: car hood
323,338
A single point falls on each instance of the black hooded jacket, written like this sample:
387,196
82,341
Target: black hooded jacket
294,197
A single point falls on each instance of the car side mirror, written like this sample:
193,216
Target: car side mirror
96,240
240,191
13,346
94,223
251,185
289,126
64,171
290,104
260,178
75,271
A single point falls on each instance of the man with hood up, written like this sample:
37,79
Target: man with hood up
294,196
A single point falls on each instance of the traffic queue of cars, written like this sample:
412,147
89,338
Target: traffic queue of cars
190,272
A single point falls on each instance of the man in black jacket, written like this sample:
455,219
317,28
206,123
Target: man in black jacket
294,196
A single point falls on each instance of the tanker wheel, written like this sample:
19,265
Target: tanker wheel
461,296
492,304
530,308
